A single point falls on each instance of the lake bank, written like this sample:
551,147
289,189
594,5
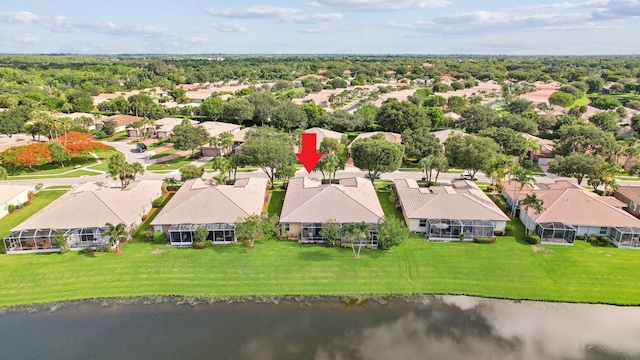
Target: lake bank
506,269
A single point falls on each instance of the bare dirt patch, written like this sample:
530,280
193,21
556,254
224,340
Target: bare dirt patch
158,251
541,249
607,255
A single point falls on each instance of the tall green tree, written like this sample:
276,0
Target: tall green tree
238,110
583,138
211,108
576,165
521,178
289,116
263,103
269,149
376,156
509,140
119,169
477,117
188,137
420,143
471,153
398,116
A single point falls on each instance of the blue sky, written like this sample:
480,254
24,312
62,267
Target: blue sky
321,26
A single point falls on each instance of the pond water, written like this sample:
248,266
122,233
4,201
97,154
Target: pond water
429,327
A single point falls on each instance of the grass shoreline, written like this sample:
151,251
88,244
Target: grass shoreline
277,269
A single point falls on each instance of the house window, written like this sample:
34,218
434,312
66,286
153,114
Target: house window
423,222
604,231
287,227
634,206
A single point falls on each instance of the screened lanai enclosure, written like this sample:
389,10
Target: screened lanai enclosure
310,233
450,229
219,233
556,233
625,237
42,240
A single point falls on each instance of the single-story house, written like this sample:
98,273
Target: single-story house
97,119
164,127
323,133
544,153
308,204
123,120
570,210
15,195
81,215
201,202
443,135
630,195
215,128
449,211
199,96
391,137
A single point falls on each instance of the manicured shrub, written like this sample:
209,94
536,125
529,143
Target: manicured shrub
527,164
509,230
159,237
104,248
157,202
533,239
492,188
11,208
199,245
604,241
85,250
484,240
592,239
64,250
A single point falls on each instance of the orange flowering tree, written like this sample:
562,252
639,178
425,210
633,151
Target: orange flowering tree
28,155
78,144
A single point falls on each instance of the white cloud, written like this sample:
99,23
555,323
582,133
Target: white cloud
284,14
383,5
562,6
228,27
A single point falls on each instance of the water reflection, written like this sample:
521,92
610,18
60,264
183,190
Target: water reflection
425,328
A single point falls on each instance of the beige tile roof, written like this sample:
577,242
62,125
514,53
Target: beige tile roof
92,205
391,137
215,128
307,200
546,146
167,124
202,202
8,192
630,192
578,206
124,119
322,133
443,135
239,135
463,200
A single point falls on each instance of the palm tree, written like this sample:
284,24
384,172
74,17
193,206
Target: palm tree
531,201
521,178
356,231
115,233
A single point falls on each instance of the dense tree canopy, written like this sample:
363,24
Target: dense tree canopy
376,155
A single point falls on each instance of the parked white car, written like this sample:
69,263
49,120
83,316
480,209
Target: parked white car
466,176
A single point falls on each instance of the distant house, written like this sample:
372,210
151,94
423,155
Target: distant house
544,153
443,135
164,127
630,195
76,115
123,120
446,212
15,195
81,215
309,203
570,211
215,128
204,203
389,136
324,133
199,96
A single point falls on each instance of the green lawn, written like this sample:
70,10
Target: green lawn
506,269
116,137
582,101
40,200
104,157
71,174
174,164
277,199
165,153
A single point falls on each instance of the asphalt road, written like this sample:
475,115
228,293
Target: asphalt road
133,155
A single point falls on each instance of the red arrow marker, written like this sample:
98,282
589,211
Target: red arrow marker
309,156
